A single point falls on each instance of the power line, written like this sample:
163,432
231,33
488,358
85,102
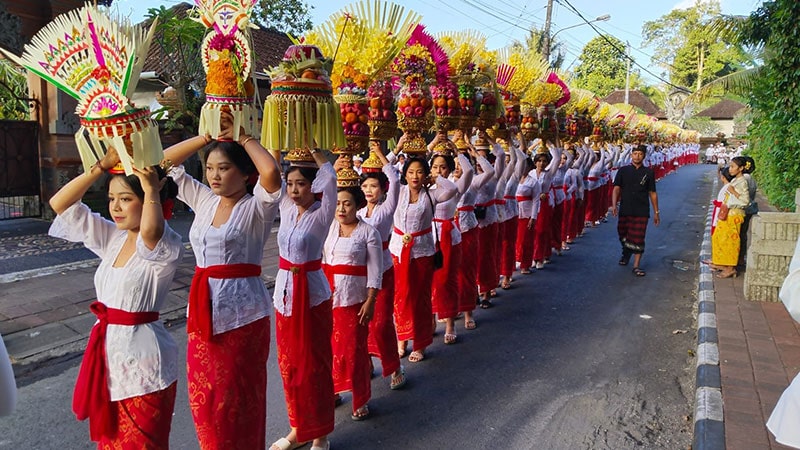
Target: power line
613,45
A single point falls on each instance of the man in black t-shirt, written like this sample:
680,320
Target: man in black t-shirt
634,189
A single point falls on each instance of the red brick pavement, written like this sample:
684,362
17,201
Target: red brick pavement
759,346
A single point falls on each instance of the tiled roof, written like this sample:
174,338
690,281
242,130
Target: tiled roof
637,99
723,110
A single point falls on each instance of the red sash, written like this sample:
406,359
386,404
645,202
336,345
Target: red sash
342,269
466,208
446,242
498,202
200,316
91,398
300,314
524,198
405,253
509,197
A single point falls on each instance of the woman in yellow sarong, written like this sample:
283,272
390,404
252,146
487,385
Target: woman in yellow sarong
725,241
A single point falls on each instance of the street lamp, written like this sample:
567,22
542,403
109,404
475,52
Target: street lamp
603,18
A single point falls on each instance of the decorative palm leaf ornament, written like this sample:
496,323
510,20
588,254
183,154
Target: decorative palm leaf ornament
228,61
97,61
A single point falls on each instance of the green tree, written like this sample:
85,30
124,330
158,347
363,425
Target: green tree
602,66
684,48
13,88
534,43
179,39
289,16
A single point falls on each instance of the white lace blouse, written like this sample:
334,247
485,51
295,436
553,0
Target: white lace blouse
300,241
362,248
142,358
418,216
383,214
529,188
235,302
446,210
467,219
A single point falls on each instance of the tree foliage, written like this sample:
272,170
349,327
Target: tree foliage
288,16
534,43
179,40
602,67
687,52
10,31
775,99
13,87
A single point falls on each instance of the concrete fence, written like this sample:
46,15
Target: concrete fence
773,236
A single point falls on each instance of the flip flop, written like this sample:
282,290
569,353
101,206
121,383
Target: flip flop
416,356
470,324
639,272
450,338
285,444
486,304
398,381
363,416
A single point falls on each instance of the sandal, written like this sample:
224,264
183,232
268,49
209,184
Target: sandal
624,260
450,338
525,271
470,324
398,381
486,304
416,356
639,272
402,348
506,284
285,444
493,292
360,414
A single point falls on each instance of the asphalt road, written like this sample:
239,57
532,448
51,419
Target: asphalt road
582,355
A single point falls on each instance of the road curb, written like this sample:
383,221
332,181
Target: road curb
709,426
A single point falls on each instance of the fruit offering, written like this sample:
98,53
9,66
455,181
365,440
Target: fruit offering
414,102
354,118
381,101
466,97
548,125
529,125
446,99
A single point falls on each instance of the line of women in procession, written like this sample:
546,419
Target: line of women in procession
362,271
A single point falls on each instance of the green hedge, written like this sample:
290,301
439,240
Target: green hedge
775,131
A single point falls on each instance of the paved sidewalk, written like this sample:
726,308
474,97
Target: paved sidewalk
759,350
46,312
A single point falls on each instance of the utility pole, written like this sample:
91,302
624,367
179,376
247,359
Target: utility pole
627,71
546,32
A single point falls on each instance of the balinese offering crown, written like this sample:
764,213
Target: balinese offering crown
300,113
227,57
97,61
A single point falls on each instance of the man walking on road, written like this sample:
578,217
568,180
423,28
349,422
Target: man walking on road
633,185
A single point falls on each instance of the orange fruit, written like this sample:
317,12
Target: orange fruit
452,103
414,102
363,118
440,102
403,102
375,102
350,117
309,74
426,102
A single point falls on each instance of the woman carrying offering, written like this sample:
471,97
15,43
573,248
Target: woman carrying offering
468,224
303,304
228,313
381,190
543,176
352,260
527,196
508,227
488,269
412,247
127,380
445,296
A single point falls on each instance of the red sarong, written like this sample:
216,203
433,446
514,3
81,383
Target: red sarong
143,422
227,380
309,402
524,250
508,248
91,399
580,217
541,240
412,300
351,371
382,340
567,219
555,226
468,273
444,288
488,269
591,199
200,320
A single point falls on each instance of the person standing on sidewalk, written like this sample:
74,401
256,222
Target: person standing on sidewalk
127,381
634,191
228,314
